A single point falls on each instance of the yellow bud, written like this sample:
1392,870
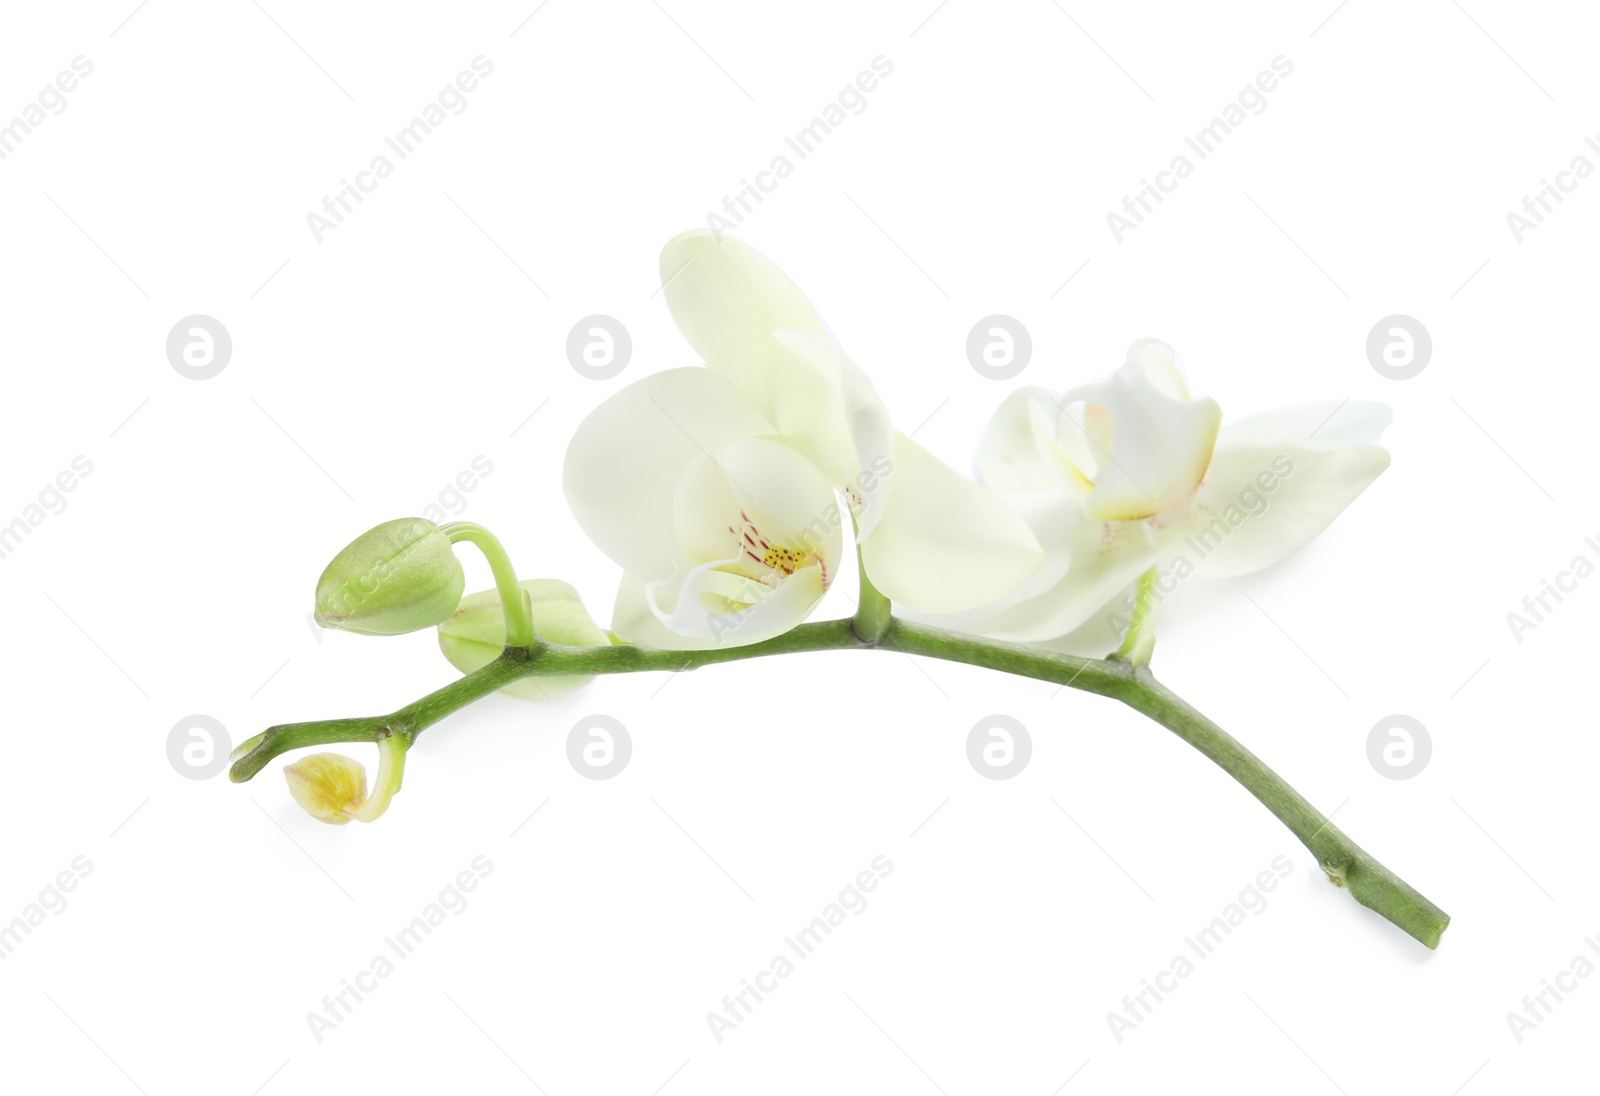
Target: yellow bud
333,788
328,786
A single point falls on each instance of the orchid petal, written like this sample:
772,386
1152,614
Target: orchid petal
727,298
1104,559
1157,366
623,464
945,544
850,435
762,529
1018,453
1324,424
634,621
1161,444
1278,480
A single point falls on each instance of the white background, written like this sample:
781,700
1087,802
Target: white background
369,370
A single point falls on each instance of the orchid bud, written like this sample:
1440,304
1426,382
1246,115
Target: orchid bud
327,786
332,788
476,634
398,577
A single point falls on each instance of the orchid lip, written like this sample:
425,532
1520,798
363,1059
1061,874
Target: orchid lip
777,561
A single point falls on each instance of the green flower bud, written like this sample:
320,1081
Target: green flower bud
399,577
476,634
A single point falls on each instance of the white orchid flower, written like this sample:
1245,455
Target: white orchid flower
714,488
1129,473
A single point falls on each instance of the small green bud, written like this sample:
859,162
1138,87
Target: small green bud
476,634
399,577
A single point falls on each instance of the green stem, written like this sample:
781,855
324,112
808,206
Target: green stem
1345,862
391,770
1140,641
519,623
872,617
406,723
513,664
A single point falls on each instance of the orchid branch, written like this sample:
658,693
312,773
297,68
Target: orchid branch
1345,863
653,472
